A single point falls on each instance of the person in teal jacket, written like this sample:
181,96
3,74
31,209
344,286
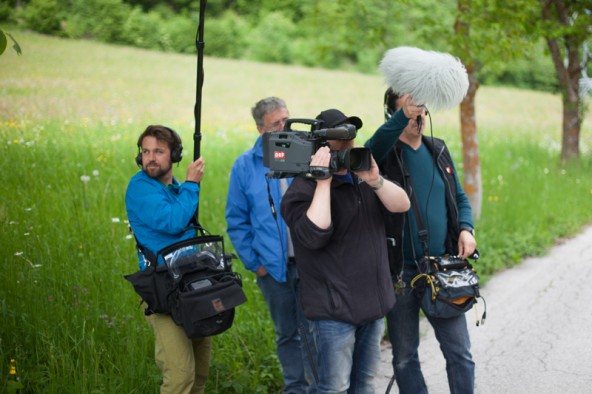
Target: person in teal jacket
159,208
424,167
261,239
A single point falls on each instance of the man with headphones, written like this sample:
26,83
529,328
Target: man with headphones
159,209
424,167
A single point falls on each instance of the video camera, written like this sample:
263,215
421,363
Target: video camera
287,153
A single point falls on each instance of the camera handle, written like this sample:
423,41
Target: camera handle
314,124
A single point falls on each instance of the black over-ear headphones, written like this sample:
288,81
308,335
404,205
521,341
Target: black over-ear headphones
176,152
390,99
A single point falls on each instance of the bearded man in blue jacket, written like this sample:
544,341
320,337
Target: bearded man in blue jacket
159,209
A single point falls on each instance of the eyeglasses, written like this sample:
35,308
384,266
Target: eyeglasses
278,124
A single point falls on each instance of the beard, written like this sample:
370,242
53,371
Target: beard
156,171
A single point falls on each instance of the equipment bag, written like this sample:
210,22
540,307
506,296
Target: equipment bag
195,285
207,289
155,286
447,286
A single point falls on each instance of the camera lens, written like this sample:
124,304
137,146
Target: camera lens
358,159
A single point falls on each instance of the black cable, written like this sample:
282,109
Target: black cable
303,333
390,385
277,224
427,218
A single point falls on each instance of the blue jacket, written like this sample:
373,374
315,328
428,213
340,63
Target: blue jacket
258,238
157,213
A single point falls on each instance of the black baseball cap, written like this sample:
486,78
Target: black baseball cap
334,117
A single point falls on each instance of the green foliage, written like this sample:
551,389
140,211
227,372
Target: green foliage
4,43
336,34
139,29
525,220
178,34
226,36
531,72
42,16
270,40
5,11
102,20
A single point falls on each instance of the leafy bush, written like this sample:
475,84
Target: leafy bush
271,40
335,35
177,34
226,36
139,29
102,20
303,52
534,72
5,11
41,16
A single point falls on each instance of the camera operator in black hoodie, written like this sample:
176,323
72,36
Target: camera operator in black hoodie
337,227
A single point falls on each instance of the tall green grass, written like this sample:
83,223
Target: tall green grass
70,113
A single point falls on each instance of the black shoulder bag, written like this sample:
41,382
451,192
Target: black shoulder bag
195,285
448,286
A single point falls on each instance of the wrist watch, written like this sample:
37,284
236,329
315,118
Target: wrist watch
378,184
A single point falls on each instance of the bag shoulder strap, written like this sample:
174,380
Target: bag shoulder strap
422,232
147,254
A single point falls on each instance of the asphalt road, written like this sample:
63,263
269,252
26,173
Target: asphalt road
537,337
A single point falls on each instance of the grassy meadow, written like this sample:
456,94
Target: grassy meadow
70,114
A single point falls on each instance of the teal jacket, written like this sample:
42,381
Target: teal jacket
449,210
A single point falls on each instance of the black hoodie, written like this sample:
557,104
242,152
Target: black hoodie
344,272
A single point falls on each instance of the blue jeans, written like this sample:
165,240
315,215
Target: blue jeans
283,301
452,334
347,355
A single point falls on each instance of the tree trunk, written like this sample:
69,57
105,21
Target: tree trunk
569,70
470,146
468,120
570,143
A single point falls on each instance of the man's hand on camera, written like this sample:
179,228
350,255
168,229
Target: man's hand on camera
195,171
322,158
372,176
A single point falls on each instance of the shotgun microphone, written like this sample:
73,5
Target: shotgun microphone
343,132
434,80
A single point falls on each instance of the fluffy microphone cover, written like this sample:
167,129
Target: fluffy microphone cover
434,79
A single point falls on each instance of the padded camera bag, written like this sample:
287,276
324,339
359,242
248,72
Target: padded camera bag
208,290
195,285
